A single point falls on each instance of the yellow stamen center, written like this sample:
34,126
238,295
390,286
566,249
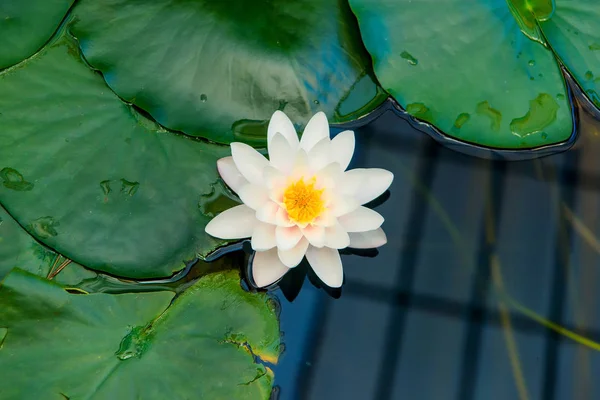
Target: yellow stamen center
303,202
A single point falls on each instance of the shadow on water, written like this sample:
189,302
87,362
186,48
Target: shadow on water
478,249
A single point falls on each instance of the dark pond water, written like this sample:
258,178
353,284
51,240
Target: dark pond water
482,258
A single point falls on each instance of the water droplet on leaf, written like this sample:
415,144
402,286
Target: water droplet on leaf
203,98
409,58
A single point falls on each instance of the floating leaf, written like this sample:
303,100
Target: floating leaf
26,25
478,70
19,250
92,178
100,346
219,69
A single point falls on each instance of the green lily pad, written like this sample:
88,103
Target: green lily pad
573,32
19,250
135,346
26,25
219,69
95,180
477,70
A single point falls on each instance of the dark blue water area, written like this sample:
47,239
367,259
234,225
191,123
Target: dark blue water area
481,254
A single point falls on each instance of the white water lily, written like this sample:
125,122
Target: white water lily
300,202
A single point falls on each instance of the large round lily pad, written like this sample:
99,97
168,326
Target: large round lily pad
219,69
92,178
573,31
58,345
478,70
19,250
26,25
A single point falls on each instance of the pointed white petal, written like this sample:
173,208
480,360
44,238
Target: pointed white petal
300,168
361,220
326,219
320,155
280,123
282,218
281,155
287,237
316,130
248,161
367,240
342,205
342,146
230,174
236,223
267,268
292,257
268,213
254,196
327,264
329,176
336,237
263,237
365,184
315,235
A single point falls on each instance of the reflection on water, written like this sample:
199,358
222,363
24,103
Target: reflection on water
477,250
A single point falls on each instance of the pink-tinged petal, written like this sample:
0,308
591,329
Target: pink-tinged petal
280,123
282,218
315,235
367,240
316,130
365,184
342,146
287,237
254,196
292,257
342,205
281,155
263,237
230,174
336,237
268,213
361,220
327,264
325,219
249,162
320,155
236,223
267,268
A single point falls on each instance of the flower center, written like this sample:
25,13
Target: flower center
303,202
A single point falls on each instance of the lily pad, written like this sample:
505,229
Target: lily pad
219,69
94,179
573,32
19,250
135,346
477,70
26,25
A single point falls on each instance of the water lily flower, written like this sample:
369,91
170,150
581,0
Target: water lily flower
301,201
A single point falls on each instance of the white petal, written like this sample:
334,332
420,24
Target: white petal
281,155
315,235
342,146
365,184
361,220
320,155
267,268
316,130
248,161
280,123
325,219
300,168
336,237
342,205
287,237
329,176
268,213
282,218
263,237
327,264
292,257
367,240
254,196
236,223
230,174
